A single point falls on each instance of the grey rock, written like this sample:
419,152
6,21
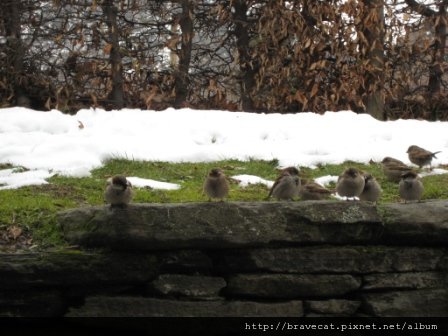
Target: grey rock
339,307
412,280
417,303
325,315
193,286
26,303
244,224
333,259
150,307
69,268
185,261
289,286
220,225
416,223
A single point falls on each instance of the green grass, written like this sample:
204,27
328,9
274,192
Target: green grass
190,176
34,208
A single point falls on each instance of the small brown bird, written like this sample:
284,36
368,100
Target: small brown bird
393,169
350,184
390,160
313,191
216,185
420,156
372,190
119,191
287,185
410,187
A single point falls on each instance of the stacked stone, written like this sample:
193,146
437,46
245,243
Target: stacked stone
288,259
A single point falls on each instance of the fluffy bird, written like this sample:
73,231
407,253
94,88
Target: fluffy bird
287,185
312,191
390,160
216,185
420,156
393,169
118,191
410,187
372,190
351,183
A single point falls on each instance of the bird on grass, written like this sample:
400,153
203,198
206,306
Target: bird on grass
393,169
420,156
216,185
119,191
390,160
313,191
372,190
350,183
410,187
287,184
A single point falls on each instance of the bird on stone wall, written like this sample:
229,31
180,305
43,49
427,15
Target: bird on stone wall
119,191
216,185
350,183
287,184
372,190
410,187
420,156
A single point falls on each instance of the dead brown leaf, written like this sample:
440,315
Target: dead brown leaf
15,232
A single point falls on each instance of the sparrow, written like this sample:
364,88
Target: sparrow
410,187
118,191
393,169
372,190
312,191
390,160
350,183
216,185
287,185
420,156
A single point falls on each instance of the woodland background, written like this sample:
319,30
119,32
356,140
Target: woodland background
382,57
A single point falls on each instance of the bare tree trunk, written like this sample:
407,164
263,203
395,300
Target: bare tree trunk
15,51
116,95
373,54
436,72
186,25
242,43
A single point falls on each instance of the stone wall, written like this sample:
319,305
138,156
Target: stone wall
287,259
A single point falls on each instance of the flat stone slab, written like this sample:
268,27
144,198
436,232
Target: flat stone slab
192,286
334,259
190,261
244,224
291,286
75,268
333,307
416,303
416,223
149,307
220,224
25,303
412,280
